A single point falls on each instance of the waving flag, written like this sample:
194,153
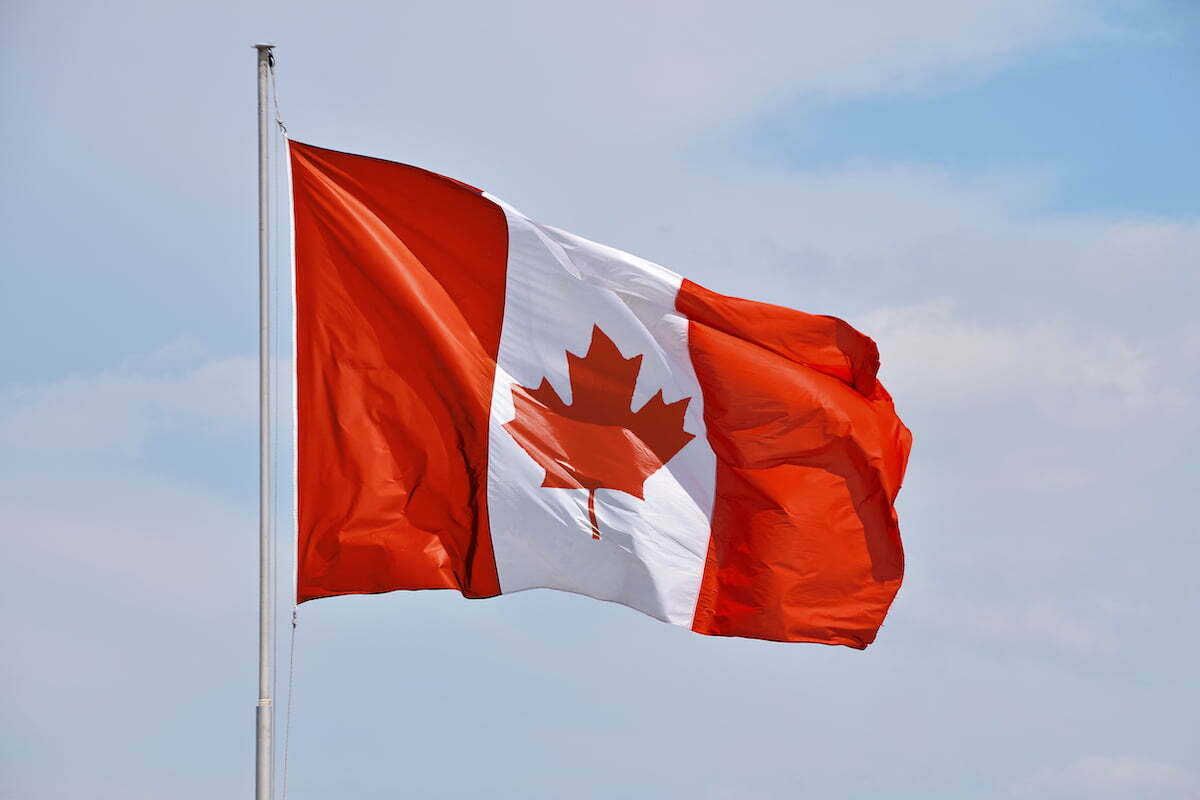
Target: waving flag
489,404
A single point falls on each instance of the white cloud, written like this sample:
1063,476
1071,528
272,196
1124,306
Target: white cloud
1000,622
128,615
118,409
685,65
576,86
1112,778
1047,622
936,356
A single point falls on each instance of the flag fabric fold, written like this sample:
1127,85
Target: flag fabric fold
489,404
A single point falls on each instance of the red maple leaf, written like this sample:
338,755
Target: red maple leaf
598,441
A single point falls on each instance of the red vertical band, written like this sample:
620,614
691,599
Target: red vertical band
810,455
400,279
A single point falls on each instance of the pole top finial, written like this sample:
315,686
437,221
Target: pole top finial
264,47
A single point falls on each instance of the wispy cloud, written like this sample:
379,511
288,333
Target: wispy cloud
936,356
118,409
1112,778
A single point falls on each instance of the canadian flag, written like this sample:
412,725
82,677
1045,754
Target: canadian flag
489,404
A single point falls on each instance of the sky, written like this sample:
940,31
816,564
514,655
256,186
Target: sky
1002,194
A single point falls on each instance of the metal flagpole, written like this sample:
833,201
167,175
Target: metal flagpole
264,750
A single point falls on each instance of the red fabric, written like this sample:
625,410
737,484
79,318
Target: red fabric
400,286
400,278
805,544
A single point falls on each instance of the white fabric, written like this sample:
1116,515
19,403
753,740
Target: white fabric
651,552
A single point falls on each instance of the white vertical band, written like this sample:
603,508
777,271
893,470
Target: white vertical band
652,554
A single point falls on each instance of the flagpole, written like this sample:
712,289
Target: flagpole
264,750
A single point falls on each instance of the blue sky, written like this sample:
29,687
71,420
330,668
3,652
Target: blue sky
1111,122
1000,193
